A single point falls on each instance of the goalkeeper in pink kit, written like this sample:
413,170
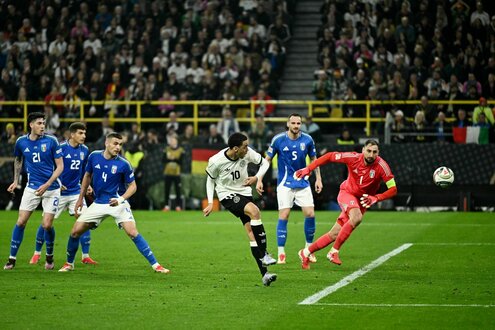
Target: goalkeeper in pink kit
357,193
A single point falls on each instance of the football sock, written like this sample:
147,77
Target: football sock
85,241
281,232
259,235
17,236
255,251
50,240
281,250
309,229
72,246
343,235
144,248
320,243
40,239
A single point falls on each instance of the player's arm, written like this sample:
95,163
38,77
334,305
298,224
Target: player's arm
59,168
368,200
326,158
210,192
86,181
131,190
17,172
318,182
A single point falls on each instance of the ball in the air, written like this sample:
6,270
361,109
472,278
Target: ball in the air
443,176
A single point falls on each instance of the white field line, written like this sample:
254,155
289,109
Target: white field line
456,244
350,278
406,305
415,224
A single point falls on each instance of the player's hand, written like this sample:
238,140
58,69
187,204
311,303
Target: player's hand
116,201
250,181
259,187
302,173
41,190
78,208
207,210
89,191
318,186
368,200
12,187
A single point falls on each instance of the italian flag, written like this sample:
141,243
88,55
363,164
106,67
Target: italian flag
471,134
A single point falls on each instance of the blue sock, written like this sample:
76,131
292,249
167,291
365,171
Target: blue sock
144,248
309,229
281,232
50,240
17,236
85,241
72,246
40,239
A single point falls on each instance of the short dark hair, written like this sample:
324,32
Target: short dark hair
372,142
294,115
77,125
114,135
236,140
35,115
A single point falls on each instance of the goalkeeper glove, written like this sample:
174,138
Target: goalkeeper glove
302,173
367,200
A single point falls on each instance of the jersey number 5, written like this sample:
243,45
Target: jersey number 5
294,155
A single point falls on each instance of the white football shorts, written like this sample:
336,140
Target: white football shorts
96,213
68,203
286,197
49,200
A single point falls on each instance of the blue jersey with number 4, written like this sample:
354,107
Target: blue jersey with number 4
75,160
108,175
39,159
291,157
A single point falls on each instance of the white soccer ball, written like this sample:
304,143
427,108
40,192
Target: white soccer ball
443,176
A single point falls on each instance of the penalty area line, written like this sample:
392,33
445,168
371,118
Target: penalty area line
407,305
350,278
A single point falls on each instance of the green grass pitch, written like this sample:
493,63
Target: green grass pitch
445,280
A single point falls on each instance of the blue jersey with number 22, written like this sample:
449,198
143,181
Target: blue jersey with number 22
74,165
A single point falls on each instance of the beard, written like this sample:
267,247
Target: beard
369,160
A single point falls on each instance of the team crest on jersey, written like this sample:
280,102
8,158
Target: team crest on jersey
302,146
114,169
242,163
43,147
81,154
236,199
372,174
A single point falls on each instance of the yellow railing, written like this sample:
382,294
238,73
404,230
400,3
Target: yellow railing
196,119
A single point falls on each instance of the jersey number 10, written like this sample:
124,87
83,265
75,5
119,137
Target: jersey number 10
235,175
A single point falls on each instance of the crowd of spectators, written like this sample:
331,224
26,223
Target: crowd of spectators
140,50
408,50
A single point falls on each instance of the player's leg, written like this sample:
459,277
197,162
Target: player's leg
85,238
39,241
253,212
50,201
321,243
285,199
266,277
124,218
29,203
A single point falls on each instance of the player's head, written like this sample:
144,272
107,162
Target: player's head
77,132
113,144
238,143
370,151
294,122
36,121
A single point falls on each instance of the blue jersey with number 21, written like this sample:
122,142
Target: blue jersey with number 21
39,159
108,175
291,157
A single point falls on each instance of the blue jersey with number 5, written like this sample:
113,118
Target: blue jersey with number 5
38,159
108,175
291,157
75,160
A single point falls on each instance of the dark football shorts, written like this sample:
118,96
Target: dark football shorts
235,204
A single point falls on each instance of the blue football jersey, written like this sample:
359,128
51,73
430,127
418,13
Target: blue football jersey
38,159
75,160
291,157
109,176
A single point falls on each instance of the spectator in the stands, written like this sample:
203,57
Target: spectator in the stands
311,128
486,110
227,125
9,135
262,108
259,134
345,137
214,138
442,128
462,119
399,125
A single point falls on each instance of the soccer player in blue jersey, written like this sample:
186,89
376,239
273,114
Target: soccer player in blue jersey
292,147
41,156
107,170
75,159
